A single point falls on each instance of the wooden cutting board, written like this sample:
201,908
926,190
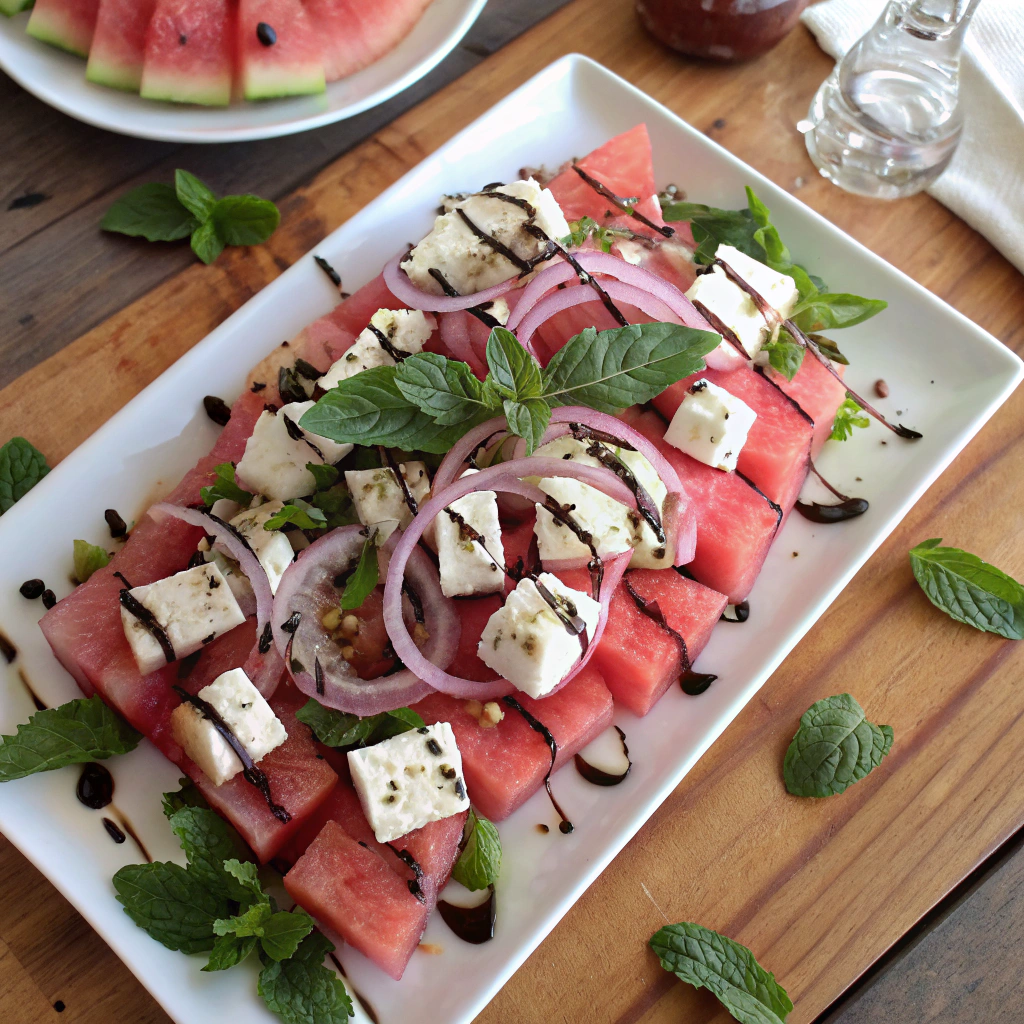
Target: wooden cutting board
818,889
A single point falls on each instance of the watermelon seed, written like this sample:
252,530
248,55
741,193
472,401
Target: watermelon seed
182,39
265,34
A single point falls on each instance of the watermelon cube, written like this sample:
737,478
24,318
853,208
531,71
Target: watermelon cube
505,764
777,455
640,660
119,43
736,523
68,24
818,393
350,889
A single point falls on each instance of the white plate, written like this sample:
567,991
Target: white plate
946,374
58,78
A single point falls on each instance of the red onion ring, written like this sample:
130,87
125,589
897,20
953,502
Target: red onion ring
263,669
506,478
307,586
456,334
454,463
403,289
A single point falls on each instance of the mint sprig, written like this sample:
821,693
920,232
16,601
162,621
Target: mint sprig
224,486
340,729
479,863
75,733
834,747
22,466
88,558
300,514
364,577
968,589
159,213
727,969
586,227
785,355
848,416
300,990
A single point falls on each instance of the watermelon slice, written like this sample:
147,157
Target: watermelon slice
299,780
506,764
68,24
736,523
355,33
818,393
777,454
190,52
119,43
350,889
637,657
13,7
279,50
624,164
85,628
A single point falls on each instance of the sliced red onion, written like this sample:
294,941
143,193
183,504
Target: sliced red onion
505,478
454,463
403,289
307,588
456,333
263,668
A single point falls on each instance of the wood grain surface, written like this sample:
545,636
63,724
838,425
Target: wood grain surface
818,889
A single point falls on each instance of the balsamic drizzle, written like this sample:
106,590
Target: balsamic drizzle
295,432
848,508
626,205
586,278
266,638
7,649
499,247
397,354
95,786
484,317
318,673
135,607
388,459
114,832
599,777
565,826
410,862
471,924
446,287
596,564
742,611
414,600
251,771
328,270
217,409
117,526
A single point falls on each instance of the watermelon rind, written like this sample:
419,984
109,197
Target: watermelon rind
115,76
49,27
175,89
13,7
267,85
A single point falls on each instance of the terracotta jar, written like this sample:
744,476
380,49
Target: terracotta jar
724,30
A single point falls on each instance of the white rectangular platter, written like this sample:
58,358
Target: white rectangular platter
945,374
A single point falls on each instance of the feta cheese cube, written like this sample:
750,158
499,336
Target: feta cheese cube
527,643
711,425
614,527
410,780
271,547
244,711
466,568
470,264
378,498
734,307
274,462
192,607
405,329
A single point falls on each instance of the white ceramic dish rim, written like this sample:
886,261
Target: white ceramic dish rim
58,79
569,69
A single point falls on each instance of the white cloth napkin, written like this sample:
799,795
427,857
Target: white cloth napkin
984,182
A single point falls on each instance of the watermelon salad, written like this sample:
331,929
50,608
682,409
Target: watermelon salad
508,486
209,52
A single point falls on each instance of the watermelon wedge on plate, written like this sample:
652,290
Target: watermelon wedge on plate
190,52
355,33
119,43
67,24
279,50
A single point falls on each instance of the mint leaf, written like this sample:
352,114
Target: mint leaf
245,220
626,366
206,243
187,796
515,374
777,256
339,729
152,212
848,416
248,923
194,195
834,310
444,389
784,354
208,841
336,505
364,578
229,951
171,904
301,990
284,931
967,589
586,227
246,874
75,733
479,863
369,409
712,227
22,466
828,348
299,513
225,487
326,476
88,558
705,959
528,419
834,747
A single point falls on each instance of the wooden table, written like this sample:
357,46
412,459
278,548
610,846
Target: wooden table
819,890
